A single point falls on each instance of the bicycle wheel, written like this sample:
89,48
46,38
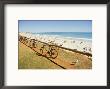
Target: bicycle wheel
41,51
27,42
30,43
54,53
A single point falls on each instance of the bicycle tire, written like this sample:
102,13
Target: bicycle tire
41,51
53,54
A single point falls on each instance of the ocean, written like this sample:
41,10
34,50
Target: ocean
79,35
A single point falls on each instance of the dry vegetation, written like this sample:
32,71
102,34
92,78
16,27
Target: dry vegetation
29,60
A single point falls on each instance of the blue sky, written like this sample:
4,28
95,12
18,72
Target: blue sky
55,25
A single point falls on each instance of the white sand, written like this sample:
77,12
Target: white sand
82,45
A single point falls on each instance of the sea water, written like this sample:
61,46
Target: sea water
78,35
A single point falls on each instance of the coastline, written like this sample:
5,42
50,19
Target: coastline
75,44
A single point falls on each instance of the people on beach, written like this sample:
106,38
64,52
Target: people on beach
76,44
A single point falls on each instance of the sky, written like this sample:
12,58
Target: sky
55,26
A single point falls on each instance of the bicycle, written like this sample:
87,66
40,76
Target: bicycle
50,51
20,38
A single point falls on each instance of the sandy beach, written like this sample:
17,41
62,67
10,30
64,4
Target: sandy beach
82,45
